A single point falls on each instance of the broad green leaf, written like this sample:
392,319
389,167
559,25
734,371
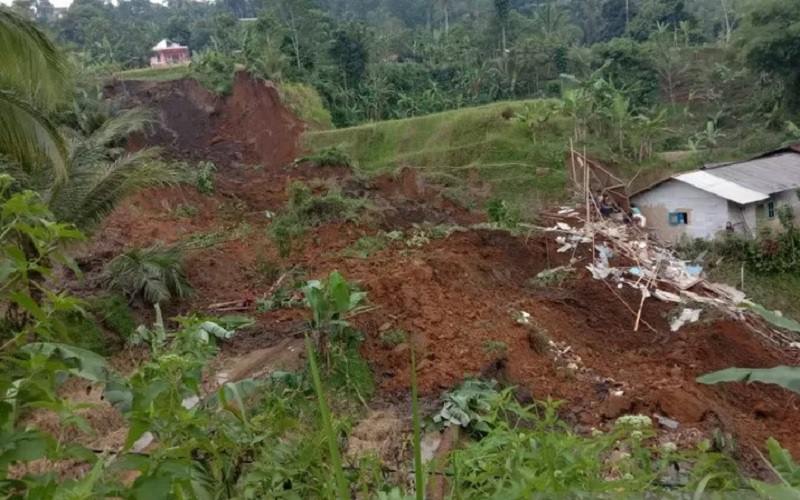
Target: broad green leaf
774,318
137,428
26,302
787,377
775,491
119,394
782,461
90,365
152,488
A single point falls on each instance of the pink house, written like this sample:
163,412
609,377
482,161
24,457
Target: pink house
169,54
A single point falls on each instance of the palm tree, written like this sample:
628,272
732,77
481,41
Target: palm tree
100,172
32,76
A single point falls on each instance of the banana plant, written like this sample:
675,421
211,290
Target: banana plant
330,302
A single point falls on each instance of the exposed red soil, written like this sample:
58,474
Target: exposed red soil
250,126
453,295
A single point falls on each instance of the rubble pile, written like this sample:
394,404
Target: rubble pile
624,255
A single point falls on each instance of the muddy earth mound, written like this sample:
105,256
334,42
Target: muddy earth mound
250,126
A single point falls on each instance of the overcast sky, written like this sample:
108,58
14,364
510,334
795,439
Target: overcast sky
57,3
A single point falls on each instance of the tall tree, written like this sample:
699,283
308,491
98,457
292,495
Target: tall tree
770,41
502,8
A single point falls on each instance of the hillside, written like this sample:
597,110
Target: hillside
483,143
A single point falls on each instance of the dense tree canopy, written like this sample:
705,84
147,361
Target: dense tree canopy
374,59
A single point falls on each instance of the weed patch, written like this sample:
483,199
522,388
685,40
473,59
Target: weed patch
328,157
200,241
393,338
186,210
113,312
524,451
366,246
306,209
205,177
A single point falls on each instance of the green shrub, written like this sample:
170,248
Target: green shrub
393,338
307,104
501,213
328,157
522,452
770,252
186,210
305,210
113,312
83,332
205,177
365,246
214,70
153,274
495,347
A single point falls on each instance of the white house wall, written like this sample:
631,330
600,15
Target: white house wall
788,197
707,213
743,218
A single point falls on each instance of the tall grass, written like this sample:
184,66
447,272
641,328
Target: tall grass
154,74
419,473
484,139
342,490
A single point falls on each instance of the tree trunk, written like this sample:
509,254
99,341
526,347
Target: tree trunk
295,40
727,22
627,14
446,17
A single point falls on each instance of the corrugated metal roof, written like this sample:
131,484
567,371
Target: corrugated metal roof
746,181
705,180
770,174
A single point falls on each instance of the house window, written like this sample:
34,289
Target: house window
771,209
678,218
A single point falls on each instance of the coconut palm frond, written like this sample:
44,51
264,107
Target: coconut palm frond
94,189
31,64
119,127
28,137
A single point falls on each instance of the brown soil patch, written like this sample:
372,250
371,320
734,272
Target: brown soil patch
250,126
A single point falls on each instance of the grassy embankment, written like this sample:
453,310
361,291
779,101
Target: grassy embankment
523,168
154,74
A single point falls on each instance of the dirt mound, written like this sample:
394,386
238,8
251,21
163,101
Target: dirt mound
250,126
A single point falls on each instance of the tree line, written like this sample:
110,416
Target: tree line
382,59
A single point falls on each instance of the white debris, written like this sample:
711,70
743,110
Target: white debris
666,422
523,318
143,442
599,272
653,267
190,402
667,296
223,377
687,316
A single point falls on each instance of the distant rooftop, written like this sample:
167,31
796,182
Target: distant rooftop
167,44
